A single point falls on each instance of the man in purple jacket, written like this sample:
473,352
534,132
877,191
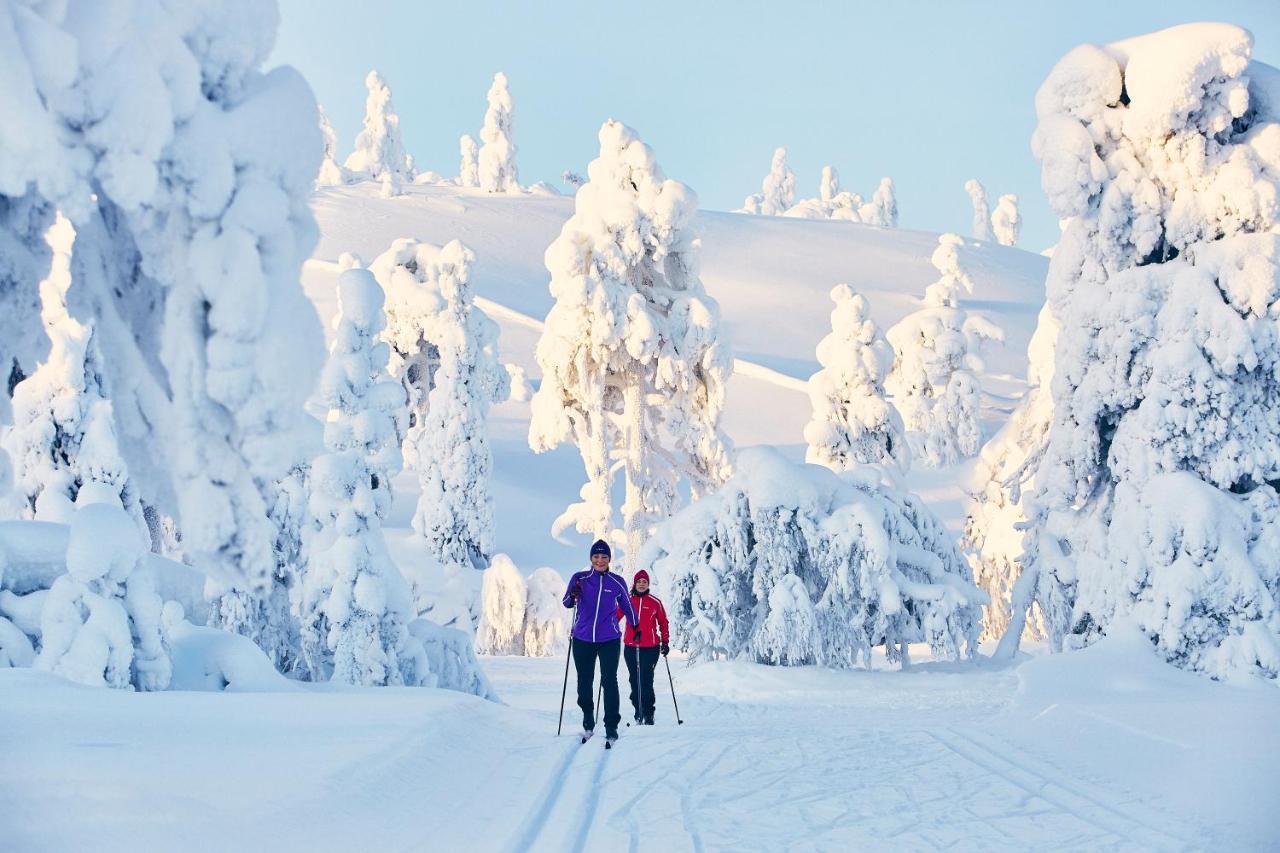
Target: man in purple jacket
597,595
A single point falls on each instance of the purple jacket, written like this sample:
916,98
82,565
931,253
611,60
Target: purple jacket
601,596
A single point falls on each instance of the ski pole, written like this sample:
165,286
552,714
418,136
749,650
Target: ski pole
565,688
673,690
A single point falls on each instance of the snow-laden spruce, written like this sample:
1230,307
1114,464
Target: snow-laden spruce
444,352
521,615
1006,222
332,173
853,424
186,171
63,434
777,191
794,564
354,603
633,367
981,212
101,621
500,629
1005,471
1155,502
379,153
934,378
834,203
496,166
468,161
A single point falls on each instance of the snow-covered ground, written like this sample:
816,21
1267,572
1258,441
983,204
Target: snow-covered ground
1108,749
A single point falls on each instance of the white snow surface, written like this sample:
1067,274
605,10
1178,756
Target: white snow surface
1107,749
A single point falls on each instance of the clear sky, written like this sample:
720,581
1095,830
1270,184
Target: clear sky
928,93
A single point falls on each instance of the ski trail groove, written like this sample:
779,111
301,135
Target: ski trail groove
540,815
1086,809
593,802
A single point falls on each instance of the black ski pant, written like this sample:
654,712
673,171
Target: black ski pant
584,660
641,662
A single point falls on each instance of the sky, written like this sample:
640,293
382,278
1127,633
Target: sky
928,93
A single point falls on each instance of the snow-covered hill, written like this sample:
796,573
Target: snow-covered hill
772,277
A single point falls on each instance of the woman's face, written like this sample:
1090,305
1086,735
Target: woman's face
642,585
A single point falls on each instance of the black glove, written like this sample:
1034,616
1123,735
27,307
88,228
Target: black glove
576,591
665,649
637,635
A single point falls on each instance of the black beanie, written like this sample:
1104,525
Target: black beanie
601,547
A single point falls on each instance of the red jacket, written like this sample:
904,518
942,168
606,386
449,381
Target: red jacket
651,615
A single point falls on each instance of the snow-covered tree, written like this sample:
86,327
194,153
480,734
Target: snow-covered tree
101,622
1006,222
885,200
1004,473
546,619
332,173
778,190
455,510
469,162
794,564
853,423
379,151
354,603
981,211
63,434
633,368
829,186
502,606
444,352
187,171
936,349
1155,501
497,165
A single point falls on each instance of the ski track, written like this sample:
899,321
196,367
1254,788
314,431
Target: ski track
529,833
1057,792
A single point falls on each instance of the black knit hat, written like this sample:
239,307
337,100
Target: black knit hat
601,547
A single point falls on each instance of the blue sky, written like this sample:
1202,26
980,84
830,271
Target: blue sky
929,93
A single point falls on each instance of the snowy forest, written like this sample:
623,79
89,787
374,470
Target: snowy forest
310,440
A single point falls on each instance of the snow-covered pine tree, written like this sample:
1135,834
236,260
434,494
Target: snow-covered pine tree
63,435
886,201
354,602
829,186
546,619
981,210
1006,222
455,510
933,380
431,320
469,161
332,173
633,367
101,621
777,191
502,605
853,424
1155,504
793,564
1004,473
497,164
189,190
379,151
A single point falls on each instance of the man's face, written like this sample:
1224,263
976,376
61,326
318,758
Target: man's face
642,585
600,562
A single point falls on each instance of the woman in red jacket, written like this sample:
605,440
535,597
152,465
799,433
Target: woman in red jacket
642,655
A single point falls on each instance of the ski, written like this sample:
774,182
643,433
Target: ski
609,742
586,736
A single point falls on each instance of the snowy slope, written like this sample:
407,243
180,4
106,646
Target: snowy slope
771,275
